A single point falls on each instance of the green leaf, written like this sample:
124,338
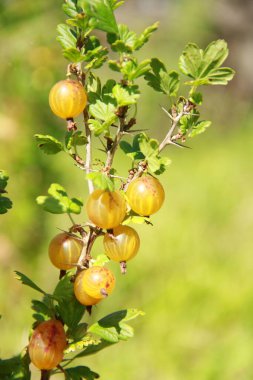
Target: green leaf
26,281
200,127
101,180
48,144
5,203
3,180
125,95
66,36
69,309
77,333
126,41
113,328
42,309
16,368
196,98
101,14
80,372
69,8
103,111
94,348
161,80
136,219
146,148
130,68
74,139
58,202
204,66
100,260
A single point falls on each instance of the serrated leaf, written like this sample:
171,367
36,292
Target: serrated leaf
73,139
145,148
69,8
103,111
80,372
127,41
3,179
113,328
199,128
66,36
48,144
16,368
161,80
69,309
5,204
125,95
26,281
101,14
101,180
94,348
76,334
100,260
58,202
196,98
204,66
136,219
41,308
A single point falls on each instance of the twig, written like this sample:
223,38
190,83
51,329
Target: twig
88,161
45,375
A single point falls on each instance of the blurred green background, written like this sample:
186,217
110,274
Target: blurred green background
193,275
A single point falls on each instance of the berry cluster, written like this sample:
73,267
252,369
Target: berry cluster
106,210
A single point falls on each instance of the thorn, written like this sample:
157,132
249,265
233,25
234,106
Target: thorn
167,112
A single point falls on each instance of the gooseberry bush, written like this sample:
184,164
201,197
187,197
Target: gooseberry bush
108,110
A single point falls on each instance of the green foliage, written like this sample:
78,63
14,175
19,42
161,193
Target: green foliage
26,281
161,80
80,372
113,328
204,66
5,203
68,308
58,202
16,368
130,68
126,41
49,144
191,126
101,180
145,148
74,139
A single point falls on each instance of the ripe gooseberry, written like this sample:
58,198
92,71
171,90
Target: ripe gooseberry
145,195
122,244
96,282
106,209
67,99
47,344
64,251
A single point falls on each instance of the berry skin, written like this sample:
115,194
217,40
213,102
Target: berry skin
122,244
67,99
64,251
106,209
47,344
145,195
96,282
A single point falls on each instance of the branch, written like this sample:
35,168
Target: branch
169,137
88,161
120,132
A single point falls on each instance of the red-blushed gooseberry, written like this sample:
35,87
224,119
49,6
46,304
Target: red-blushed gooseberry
122,244
95,282
67,99
64,251
47,344
106,209
145,195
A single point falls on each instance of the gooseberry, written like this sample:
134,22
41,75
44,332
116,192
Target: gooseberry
64,251
106,209
145,195
47,344
67,99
